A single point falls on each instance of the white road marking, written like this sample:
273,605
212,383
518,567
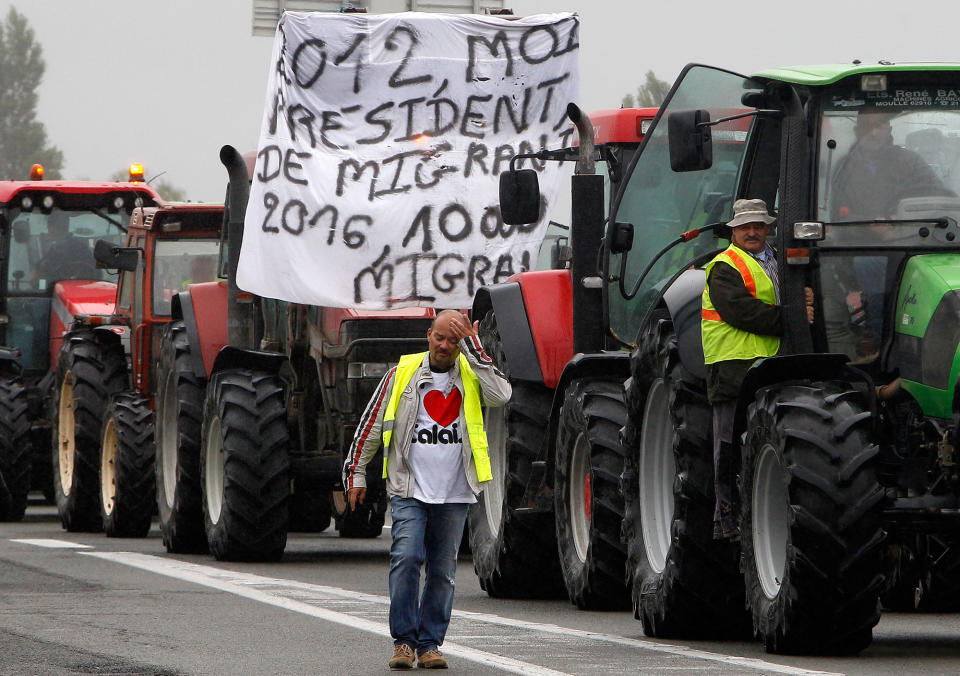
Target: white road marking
268,590
241,583
53,544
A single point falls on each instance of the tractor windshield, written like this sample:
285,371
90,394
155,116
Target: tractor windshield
662,204
177,263
45,248
888,187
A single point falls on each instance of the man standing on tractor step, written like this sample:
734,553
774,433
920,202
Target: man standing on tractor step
740,324
426,412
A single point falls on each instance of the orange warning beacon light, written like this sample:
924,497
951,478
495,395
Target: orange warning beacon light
36,172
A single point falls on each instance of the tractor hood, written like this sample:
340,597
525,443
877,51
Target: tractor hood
71,298
928,330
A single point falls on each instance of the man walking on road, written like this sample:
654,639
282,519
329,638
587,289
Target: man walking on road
740,323
426,412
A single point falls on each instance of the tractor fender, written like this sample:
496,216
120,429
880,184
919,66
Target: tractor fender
612,365
204,311
234,357
683,301
792,367
535,317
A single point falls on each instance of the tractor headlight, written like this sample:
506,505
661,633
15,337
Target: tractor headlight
808,230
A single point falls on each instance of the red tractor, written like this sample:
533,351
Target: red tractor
103,415
257,403
550,520
47,276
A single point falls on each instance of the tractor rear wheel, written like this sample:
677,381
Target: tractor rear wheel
15,449
588,504
92,367
810,520
179,413
514,554
127,485
684,583
245,468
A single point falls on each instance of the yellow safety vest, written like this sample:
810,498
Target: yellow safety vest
472,410
721,341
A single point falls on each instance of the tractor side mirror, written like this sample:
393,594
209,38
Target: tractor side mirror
621,237
109,255
691,144
519,197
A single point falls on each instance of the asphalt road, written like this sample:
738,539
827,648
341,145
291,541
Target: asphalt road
88,604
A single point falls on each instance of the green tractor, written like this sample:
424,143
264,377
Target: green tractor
849,488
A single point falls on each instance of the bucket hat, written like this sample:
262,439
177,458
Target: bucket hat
750,211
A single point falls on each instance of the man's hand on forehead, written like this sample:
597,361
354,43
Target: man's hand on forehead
460,326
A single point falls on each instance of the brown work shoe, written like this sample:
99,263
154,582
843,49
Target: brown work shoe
432,659
402,657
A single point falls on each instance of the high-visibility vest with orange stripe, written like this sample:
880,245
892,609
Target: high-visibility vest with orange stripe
721,341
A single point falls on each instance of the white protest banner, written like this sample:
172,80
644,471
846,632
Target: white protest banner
382,144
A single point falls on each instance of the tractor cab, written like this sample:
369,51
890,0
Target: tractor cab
49,231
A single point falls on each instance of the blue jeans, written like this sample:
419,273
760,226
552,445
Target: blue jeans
423,534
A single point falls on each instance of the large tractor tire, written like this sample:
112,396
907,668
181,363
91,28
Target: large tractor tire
588,503
684,583
179,414
91,369
15,449
810,520
245,466
514,554
127,480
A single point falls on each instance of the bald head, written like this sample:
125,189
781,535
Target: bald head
442,338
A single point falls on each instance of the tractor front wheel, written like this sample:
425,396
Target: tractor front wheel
245,468
15,449
588,504
810,519
127,484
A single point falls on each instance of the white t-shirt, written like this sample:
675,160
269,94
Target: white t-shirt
436,450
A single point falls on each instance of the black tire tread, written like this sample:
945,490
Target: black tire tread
699,594
594,408
254,518
828,602
16,450
99,369
181,524
135,498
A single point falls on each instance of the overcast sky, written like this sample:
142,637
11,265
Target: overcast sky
167,82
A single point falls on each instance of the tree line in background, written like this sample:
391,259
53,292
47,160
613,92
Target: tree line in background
649,95
23,138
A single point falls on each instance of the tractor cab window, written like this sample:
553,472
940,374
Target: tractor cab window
44,248
177,263
662,204
888,184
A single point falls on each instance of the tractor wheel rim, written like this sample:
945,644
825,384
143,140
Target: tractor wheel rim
168,445
657,473
213,458
579,498
108,467
770,526
493,495
66,443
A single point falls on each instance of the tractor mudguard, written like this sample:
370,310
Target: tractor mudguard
684,304
535,317
785,368
204,310
234,357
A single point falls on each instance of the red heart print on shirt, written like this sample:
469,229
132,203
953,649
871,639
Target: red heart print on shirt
443,409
